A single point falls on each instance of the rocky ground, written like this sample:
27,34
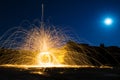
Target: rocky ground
36,73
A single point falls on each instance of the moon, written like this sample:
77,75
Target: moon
108,21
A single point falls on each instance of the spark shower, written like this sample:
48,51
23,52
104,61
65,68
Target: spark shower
42,46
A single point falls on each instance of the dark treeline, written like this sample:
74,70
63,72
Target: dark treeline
98,55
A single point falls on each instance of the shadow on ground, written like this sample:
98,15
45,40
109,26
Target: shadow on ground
12,73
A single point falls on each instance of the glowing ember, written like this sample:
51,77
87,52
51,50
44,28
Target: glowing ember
44,58
47,59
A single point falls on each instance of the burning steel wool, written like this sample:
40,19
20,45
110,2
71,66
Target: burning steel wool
43,46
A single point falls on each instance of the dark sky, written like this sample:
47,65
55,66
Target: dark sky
84,18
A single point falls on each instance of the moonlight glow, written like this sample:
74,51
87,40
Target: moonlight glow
108,21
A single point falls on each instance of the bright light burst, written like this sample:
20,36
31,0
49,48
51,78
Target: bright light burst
108,21
47,59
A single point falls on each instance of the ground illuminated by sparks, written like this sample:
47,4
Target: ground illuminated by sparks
53,66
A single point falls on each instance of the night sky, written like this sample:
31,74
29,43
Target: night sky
84,18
